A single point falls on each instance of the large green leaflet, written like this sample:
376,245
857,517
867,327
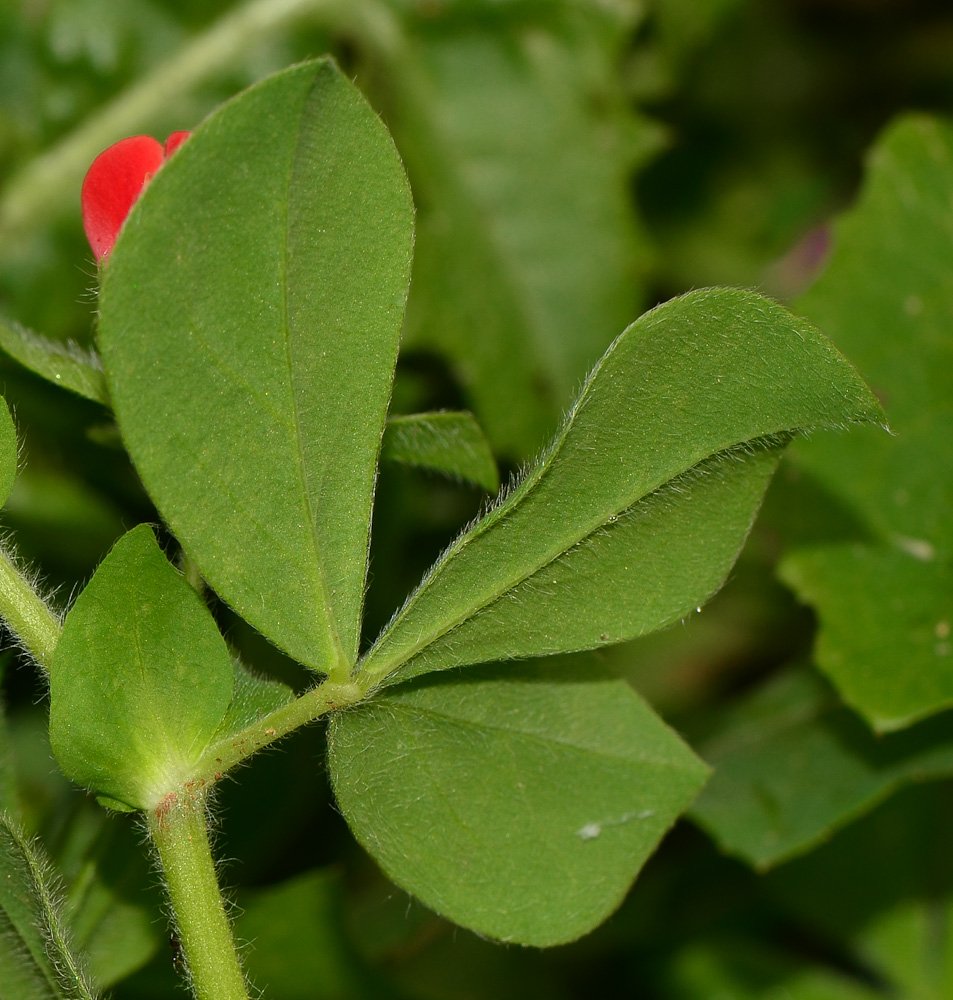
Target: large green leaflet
518,801
886,298
792,764
251,383
37,961
636,512
141,678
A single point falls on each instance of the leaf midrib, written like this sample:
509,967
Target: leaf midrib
546,741
326,609
523,492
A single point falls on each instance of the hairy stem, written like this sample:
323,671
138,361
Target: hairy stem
226,754
179,830
26,615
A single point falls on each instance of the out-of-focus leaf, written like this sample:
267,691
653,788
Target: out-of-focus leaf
9,792
8,453
791,765
882,890
520,802
60,520
451,443
886,299
140,680
682,25
520,142
37,961
251,383
886,620
426,956
729,968
111,910
63,364
633,516
298,948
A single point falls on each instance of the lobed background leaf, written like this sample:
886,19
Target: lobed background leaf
110,893
727,966
888,919
886,299
529,256
299,946
792,764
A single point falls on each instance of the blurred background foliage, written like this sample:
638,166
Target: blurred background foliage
573,163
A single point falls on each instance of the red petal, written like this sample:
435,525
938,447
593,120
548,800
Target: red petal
112,185
174,141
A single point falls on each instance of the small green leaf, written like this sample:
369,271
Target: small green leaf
252,697
792,765
886,299
634,515
519,802
9,452
64,364
452,443
249,321
141,678
37,961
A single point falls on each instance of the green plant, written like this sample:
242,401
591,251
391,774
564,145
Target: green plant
571,162
249,318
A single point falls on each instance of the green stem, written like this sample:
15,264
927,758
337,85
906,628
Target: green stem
226,754
26,615
45,185
179,831
178,828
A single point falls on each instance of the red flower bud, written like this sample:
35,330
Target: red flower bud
114,182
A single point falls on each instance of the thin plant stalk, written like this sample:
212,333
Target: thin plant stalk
179,830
